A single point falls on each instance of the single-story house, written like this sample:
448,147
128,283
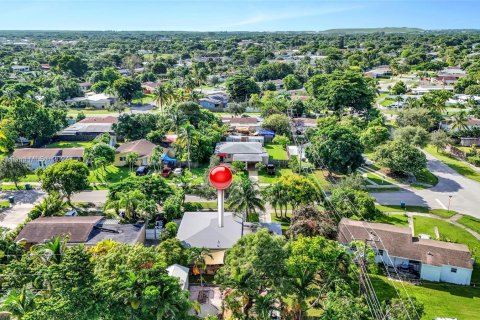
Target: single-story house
180,272
88,129
250,152
43,157
250,124
143,147
149,86
380,71
88,230
395,246
214,101
45,66
94,100
243,138
17,68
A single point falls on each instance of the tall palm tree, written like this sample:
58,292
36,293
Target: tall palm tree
163,94
18,302
186,139
277,195
9,95
459,121
131,158
51,251
176,116
197,256
245,197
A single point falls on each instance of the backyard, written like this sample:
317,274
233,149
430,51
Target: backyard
70,144
276,152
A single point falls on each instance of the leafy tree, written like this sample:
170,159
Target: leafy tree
131,202
338,306
336,148
240,88
309,221
35,122
65,177
8,135
291,82
399,88
69,64
101,150
282,140
418,117
269,86
273,71
14,170
473,90
401,157
126,89
154,187
51,251
279,123
248,271
402,308
244,198
135,126
440,139
414,136
52,205
171,229
342,90
374,136
348,202
172,207
18,302
236,108
171,251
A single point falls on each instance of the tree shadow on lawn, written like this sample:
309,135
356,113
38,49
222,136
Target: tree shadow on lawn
385,289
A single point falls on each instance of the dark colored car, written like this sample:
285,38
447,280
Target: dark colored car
270,169
166,172
141,171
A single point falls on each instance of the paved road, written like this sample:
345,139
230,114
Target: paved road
24,202
94,196
465,192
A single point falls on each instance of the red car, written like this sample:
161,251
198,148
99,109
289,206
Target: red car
166,172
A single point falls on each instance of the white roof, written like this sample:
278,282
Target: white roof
240,148
200,229
180,272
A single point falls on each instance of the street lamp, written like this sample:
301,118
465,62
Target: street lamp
449,200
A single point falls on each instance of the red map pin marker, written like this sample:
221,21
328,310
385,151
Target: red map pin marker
220,177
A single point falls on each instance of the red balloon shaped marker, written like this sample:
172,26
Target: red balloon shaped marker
220,177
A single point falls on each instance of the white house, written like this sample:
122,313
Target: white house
431,260
94,100
43,157
249,152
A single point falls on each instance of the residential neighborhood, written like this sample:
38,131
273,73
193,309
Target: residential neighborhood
242,169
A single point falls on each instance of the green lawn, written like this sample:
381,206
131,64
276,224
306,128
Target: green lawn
147,98
70,144
10,187
276,152
320,175
377,179
396,219
284,221
73,111
470,222
111,175
4,204
439,299
457,165
397,208
443,213
263,177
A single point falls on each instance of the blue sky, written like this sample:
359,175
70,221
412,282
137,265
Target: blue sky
228,15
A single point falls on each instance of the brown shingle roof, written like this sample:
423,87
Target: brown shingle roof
45,153
107,119
249,120
143,147
399,242
77,228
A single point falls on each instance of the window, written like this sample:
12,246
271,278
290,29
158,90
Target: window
123,158
380,252
42,163
453,270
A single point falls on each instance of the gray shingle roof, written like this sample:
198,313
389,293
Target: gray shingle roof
240,147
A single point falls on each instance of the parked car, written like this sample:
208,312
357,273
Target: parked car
271,169
141,171
177,171
166,172
71,213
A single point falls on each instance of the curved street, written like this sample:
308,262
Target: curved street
464,192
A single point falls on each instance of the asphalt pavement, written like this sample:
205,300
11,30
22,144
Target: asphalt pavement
25,200
462,193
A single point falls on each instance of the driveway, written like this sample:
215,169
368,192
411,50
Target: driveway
93,196
465,193
25,200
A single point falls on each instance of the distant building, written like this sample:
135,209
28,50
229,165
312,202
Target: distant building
88,129
88,230
17,68
379,72
93,100
432,260
43,157
85,85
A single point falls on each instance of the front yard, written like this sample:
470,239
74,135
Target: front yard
111,174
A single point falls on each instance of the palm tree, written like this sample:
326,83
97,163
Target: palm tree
277,195
132,202
176,117
156,158
131,158
459,121
163,94
53,205
51,251
9,95
186,139
197,256
18,302
245,197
